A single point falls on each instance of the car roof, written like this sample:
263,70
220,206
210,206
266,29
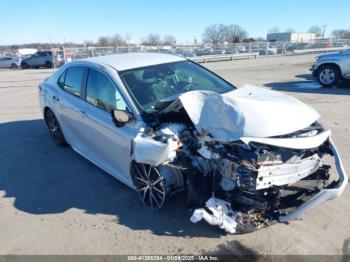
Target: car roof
127,61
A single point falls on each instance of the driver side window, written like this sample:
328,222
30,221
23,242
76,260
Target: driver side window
102,93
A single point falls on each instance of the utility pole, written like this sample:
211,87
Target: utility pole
324,31
52,54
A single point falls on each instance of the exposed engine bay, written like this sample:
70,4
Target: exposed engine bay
234,180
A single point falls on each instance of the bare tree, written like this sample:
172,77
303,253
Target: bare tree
103,41
89,43
316,30
235,33
169,40
289,30
117,40
214,34
151,40
274,30
341,34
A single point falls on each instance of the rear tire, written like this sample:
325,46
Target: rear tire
24,65
54,128
48,64
328,75
13,66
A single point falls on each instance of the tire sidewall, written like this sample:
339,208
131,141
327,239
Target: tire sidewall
48,64
25,65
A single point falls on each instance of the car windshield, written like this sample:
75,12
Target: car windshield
152,84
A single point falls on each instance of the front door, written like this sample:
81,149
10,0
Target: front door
109,146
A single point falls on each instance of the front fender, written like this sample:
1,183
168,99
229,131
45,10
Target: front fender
322,62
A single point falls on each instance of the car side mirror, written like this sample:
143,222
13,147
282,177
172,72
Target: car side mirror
121,117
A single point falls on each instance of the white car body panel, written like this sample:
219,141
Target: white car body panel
247,112
134,60
292,143
287,173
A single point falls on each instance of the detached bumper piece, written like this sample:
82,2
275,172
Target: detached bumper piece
326,194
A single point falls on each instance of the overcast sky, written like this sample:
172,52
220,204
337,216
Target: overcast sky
78,20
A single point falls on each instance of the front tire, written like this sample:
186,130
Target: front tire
328,75
54,128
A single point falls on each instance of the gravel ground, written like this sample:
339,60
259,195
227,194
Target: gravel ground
53,201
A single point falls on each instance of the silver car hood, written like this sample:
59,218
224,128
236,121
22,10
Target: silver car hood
249,111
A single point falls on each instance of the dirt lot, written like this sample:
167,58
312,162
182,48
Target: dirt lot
52,201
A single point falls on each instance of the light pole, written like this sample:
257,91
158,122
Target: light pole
52,54
324,31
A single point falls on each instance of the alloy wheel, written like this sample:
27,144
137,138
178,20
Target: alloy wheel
327,76
54,128
150,186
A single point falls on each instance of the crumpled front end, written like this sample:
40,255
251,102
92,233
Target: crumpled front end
264,184
252,180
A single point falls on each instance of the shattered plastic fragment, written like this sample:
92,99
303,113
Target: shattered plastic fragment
221,216
152,152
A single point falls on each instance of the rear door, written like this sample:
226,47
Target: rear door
68,105
37,59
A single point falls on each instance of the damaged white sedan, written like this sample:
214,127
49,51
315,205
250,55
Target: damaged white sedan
161,124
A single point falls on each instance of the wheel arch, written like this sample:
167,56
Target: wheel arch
172,176
330,64
45,109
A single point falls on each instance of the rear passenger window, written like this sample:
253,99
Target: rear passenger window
61,80
73,80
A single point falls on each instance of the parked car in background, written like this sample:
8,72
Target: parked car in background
218,51
329,69
241,48
203,51
261,49
267,50
231,50
10,62
162,124
37,60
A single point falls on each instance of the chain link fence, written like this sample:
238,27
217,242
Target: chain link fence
205,52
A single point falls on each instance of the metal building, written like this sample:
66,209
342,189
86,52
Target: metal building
291,36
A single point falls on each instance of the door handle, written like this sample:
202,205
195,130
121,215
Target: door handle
83,114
